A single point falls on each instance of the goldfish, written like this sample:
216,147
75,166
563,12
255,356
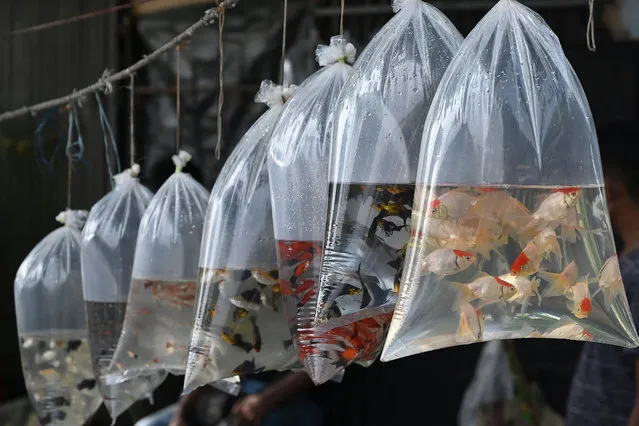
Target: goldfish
610,281
451,205
265,277
525,289
508,211
299,270
541,246
477,234
488,289
570,330
579,302
447,261
559,284
552,211
471,324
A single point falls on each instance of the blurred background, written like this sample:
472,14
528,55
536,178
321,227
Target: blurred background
39,65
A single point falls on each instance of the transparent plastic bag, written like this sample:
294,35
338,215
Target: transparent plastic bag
159,313
239,324
298,171
52,327
505,242
108,247
376,139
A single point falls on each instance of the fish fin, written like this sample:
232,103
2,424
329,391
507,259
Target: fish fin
524,305
555,286
600,289
535,285
568,233
366,298
464,294
527,233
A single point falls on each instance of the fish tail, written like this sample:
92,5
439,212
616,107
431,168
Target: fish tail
464,294
527,233
568,233
555,285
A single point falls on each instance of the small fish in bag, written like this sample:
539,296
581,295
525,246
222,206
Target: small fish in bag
510,127
240,324
374,149
52,327
159,313
108,247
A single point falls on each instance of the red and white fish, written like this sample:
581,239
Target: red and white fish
559,284
451,205
553,211
541,246
525,287
610,281
488,289
579,301
566,329
471,324
480,235
447,261
510,213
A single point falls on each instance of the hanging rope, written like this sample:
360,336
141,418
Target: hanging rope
341,19
74,149
132,120
590,28
283,42
208,17
107,133
177,98
220,101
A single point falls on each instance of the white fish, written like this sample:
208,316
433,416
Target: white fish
447,261
579,302
452,204
487,289
28,342
49,355
541,246
554,210
525,290
471,324
265,277
610,281
559,284
240,302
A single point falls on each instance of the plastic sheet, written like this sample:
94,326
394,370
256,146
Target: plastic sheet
298,171
159,313
505,241
240,326
108,247
376,140
52,327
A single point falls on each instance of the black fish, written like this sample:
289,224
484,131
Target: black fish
86,384
246,367
73,345
349,289
237,340
257,338
54,416
373,293
60,401
396,264
253,295
239,313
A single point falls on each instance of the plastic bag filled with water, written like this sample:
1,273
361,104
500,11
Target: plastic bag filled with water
298,173
159,313
373,162
52,327
108,247
240,325
507,239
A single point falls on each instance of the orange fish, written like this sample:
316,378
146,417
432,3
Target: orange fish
299,270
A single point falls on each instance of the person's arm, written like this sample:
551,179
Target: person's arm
634,418
253,408
185,404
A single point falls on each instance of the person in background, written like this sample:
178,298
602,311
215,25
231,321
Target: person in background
286,401
605,387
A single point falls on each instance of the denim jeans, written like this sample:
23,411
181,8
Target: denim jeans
159,418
